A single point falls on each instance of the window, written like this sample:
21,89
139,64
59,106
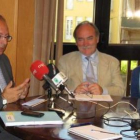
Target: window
69,24
69,4
125,15
75,12
78,20
90,0
89,19
112,3
110,31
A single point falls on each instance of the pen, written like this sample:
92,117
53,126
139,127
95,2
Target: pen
81,124
104,132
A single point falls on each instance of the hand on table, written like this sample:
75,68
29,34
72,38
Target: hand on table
88,87
12,94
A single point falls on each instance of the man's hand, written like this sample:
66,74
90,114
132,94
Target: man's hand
12,94
95,89
88,87
26,86
82,88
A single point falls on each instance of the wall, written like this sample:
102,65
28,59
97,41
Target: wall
20,19
25,39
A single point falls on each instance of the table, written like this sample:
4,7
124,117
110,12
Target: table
60,131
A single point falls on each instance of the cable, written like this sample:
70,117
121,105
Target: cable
113,119
121,102
114,104
91,114
128,136
133,123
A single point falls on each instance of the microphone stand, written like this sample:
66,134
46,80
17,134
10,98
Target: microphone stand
47,87
62,87
51,102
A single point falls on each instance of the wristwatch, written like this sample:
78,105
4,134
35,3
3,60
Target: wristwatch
4,101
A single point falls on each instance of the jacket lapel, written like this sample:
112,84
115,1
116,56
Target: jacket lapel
101,69
4,71
78,67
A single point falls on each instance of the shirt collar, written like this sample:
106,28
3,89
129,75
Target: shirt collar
94,56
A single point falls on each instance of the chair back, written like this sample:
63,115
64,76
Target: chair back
135,83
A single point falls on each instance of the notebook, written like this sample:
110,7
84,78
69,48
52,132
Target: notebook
15,118
93,133
90,97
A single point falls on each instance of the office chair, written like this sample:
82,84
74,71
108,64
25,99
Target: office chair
135,83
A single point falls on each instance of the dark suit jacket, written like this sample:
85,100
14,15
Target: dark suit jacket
4,135
135,83
7,72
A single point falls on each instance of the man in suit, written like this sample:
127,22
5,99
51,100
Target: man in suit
8,91
107,78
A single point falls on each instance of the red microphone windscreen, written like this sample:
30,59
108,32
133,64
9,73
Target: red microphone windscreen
39,69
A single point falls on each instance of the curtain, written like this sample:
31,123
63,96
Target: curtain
137,5
48,17
130,5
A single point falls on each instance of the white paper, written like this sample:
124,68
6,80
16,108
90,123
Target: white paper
33,102
90,97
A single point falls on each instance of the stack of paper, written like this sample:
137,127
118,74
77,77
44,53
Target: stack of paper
93,133
34,102
15,118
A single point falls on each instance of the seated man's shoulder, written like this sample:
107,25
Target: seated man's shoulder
71,54
108,57
4,57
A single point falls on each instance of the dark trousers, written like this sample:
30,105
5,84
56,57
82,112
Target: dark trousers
4,135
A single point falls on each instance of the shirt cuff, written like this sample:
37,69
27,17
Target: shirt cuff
105,91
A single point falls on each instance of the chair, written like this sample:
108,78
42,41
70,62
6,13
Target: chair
135,83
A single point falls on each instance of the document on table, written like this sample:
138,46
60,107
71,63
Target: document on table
34,102
90,97
93,133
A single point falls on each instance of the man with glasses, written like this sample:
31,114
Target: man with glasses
8,91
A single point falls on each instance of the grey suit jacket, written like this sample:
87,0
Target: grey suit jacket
7,72
108,71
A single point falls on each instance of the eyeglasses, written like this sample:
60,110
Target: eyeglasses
89,94
8,38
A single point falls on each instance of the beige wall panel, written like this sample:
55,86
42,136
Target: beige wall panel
25,39
8,8
20,19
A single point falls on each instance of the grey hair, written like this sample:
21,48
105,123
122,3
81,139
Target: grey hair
83,23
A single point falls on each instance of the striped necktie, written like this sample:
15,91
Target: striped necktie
2,81
90,76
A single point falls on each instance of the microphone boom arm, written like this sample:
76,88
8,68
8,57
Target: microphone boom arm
69,92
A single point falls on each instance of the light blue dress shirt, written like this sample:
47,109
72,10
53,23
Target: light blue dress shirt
94,61
2,81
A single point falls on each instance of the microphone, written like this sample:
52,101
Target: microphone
59,78
40,71
52,70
